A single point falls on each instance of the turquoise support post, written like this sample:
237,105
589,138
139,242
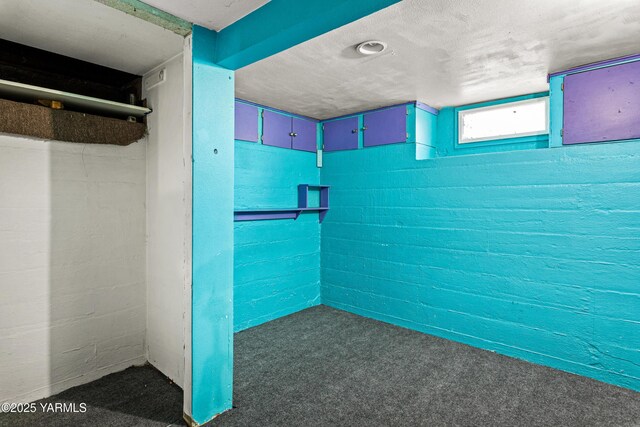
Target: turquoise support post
212,280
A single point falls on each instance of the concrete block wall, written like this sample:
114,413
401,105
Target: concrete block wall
276,262
72,256
534,254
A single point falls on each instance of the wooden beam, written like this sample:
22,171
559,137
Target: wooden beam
150,14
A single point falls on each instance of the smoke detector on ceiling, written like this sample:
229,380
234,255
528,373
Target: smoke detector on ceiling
371,47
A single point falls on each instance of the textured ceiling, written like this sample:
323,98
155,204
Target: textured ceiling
90,31
443,53
213,14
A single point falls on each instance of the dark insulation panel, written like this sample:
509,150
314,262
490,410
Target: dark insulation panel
61,125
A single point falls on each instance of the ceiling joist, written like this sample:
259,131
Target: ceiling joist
150,14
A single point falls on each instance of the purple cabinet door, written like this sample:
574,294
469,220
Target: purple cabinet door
602,105
341,134
304,135
276,129
246,124
385,126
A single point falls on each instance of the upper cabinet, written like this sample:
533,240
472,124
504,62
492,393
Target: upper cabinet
411,122
602,104
279,130
385,126
381,127
341,134
276,129
246,122
304,135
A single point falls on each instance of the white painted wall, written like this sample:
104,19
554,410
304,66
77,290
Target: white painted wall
72,264
168,231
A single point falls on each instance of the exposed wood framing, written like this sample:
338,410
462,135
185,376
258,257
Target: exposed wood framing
150,14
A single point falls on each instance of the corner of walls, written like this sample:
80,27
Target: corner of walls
276,262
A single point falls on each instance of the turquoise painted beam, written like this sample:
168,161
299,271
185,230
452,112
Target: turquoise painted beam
212,229
281,24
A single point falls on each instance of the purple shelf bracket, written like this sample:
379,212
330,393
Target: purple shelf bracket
324,201
293,213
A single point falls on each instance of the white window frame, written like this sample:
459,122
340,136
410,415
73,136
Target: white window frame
461,113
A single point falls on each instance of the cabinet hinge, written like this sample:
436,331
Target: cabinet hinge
562,87
562,132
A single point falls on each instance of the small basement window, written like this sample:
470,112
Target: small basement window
504,121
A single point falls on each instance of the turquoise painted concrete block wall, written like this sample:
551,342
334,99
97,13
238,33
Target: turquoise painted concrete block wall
534,253
277,262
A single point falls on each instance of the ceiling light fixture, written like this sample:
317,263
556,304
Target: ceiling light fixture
371,47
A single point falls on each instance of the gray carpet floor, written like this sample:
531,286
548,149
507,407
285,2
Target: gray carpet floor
324,367
138,396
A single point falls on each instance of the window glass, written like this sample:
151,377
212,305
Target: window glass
509,120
